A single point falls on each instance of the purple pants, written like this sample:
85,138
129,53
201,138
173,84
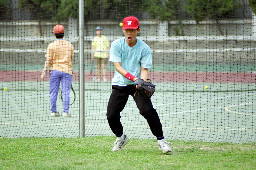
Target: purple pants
57,77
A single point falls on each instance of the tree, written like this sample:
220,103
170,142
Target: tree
163,9
118,9
211,9
41,9
3,9
197,9
252,4
67,8
92,9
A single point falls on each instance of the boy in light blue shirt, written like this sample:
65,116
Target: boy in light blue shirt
132,58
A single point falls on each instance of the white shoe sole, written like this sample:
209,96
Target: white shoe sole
66,115
166,151
55,115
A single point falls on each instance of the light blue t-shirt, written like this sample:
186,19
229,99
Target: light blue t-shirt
132,59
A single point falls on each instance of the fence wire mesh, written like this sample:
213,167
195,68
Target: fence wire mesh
203,68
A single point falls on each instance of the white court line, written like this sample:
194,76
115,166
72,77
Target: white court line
133,126
188,111
201,101
186,101
137,126
147,38
27,96
213,128
154,51
5,123
50,124
204,50
200,109
228,109
37,124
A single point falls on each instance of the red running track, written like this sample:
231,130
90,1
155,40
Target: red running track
183,77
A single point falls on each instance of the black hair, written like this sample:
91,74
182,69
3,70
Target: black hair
61,35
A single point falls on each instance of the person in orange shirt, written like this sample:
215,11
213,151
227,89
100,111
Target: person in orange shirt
59,56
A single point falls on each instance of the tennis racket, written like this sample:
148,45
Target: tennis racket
72,95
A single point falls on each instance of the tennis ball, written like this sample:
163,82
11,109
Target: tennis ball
205,87
5,89
121,24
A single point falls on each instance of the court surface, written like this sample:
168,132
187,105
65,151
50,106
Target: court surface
225,112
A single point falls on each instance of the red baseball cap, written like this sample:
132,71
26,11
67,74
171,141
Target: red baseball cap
58,29
130,22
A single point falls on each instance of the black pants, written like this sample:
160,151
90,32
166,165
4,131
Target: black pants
117,102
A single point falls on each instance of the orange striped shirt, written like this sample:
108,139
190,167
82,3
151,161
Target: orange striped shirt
60,53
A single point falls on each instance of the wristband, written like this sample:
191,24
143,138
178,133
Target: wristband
129,76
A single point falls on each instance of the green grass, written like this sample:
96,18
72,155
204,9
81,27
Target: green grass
95,153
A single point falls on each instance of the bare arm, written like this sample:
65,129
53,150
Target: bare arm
93,51
144,73
108,52
121,70
46,64
47,61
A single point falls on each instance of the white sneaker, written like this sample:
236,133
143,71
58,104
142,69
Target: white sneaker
55,114
163,145
66,114
120,143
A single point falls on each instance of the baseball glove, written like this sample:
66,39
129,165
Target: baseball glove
145,88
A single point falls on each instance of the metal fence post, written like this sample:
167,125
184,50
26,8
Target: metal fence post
81,70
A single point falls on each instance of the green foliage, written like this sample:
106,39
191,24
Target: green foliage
178,31
118,9
68,8
197,9
210,9
252,4
163,9
50,6
4,9
41,9
63,9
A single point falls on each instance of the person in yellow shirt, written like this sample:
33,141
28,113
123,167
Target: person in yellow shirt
100,53
59,56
